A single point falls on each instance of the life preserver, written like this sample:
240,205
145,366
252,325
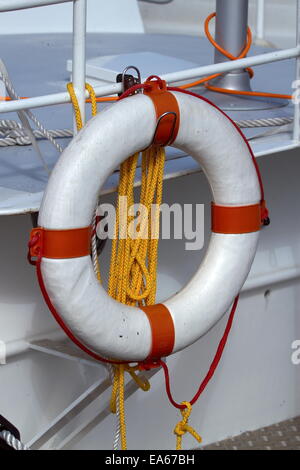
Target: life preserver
102,324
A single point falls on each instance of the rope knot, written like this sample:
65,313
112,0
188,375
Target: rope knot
182,427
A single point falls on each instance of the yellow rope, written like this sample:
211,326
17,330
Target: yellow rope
114,392
141,381
182,427
122,407
132,278
75,103
133,266
79,124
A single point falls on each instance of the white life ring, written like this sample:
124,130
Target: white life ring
101,323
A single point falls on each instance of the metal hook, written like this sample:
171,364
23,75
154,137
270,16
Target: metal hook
172,131
129,80
133,67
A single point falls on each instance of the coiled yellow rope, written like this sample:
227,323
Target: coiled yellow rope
132,278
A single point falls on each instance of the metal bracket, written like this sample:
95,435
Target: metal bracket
128,80
171,138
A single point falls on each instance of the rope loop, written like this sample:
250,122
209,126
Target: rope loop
160,82
76,107
224,51
206,81
141,381
182,427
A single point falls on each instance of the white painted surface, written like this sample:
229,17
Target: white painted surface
103,16
104,70
172,18
177,18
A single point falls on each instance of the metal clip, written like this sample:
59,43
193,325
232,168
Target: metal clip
128,80
172,130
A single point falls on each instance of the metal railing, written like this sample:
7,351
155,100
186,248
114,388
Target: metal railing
11,5
260,19
79,40
78,73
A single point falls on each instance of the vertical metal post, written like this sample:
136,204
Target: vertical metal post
78,67
231,26
296,131
231,34
260,19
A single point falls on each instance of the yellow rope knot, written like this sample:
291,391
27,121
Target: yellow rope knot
140,380
182,427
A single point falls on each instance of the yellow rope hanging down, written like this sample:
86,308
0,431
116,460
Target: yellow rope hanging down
182,427
133,267
79,123
74,100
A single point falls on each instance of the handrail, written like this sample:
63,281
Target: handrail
11,5
61,98
79,34
79,40
260,19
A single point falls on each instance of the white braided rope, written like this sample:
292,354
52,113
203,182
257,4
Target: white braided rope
270,122
116,442
12,441
12,133
39,125
17,136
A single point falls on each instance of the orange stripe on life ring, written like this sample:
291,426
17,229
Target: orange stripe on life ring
236,219
164,103
163,331
60,244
